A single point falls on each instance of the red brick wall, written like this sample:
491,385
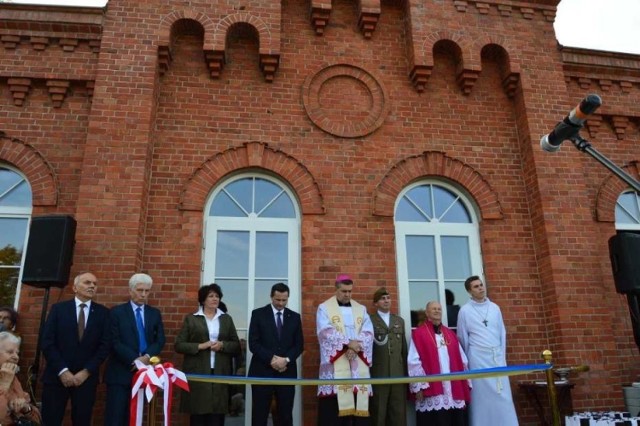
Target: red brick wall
134,153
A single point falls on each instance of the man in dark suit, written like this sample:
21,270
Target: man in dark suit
137,333
75,343
275,339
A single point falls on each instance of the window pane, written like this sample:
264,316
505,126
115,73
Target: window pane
265,193
262,293
8,285
455,257
232,254
14,189
421,292
421,257
242,191
223,205
282,207
448,207
407,212
236,298
12,236
456,296
627,208
272,255
421,196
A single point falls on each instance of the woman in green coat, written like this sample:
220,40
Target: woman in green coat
209,341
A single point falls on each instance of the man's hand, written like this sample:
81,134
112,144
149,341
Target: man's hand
279,364
419,396
68,379
8,371
355,345
81,376
205,345
351,354
145,359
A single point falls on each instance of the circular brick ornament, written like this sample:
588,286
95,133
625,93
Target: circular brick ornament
345,100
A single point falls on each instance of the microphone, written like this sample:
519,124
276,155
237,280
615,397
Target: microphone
571,125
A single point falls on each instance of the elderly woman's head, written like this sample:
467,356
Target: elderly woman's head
9,347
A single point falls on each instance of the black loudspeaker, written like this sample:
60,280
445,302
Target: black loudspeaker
49,251
624,250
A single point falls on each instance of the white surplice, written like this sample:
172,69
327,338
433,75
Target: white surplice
483,338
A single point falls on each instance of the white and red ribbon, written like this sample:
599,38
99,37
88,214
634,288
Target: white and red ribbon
146,381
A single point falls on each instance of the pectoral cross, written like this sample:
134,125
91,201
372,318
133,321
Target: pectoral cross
485,322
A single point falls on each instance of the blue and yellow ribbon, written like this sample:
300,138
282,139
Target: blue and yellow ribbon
515,370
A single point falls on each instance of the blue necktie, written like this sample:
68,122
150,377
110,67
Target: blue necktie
279,324
141,338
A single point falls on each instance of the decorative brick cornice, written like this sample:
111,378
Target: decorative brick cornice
269,65
58,91
252,155
510,84
466,79
438,164
164,59
594,123
39,173
609,191
10,41
419,76
215,62
320,12
39,43
68,44
368,15
506,8
19,88
620,124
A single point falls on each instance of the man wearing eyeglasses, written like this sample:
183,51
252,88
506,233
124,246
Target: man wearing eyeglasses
435,349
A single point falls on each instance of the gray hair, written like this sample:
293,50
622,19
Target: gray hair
139,279
76,280
7,336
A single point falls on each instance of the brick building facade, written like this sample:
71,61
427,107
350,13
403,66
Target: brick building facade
131,116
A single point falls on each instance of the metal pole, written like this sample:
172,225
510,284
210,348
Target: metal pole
551,388
153,403
585,146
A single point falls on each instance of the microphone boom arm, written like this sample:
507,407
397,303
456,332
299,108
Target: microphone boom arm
585,146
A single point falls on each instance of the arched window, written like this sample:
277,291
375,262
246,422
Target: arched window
252,241
15,213
437,247
628,211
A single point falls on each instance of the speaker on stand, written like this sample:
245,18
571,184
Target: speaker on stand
624,251
47,264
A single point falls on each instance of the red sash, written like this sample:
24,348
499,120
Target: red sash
424,338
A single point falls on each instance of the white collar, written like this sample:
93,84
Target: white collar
200,313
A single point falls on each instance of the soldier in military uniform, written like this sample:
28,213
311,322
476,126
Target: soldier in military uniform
389,360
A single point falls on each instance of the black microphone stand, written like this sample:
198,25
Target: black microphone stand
585,146
633,298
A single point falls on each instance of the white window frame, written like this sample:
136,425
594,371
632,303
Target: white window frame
253,225
12,212
628,226
436,230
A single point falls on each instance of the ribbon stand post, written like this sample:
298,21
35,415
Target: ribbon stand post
146,381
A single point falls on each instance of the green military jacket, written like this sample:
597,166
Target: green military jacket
389,347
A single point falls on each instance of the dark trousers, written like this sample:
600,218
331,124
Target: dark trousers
116,412
56,396
328,414
451,417
262,395
206,419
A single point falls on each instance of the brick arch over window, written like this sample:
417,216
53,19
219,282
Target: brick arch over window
267,43
166,25
434,163
39,173
252,155
609,191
